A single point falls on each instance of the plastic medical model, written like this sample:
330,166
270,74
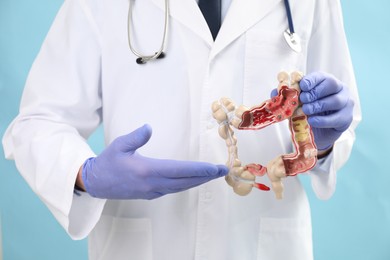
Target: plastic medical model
283,106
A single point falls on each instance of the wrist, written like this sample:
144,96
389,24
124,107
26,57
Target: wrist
79,185
323,153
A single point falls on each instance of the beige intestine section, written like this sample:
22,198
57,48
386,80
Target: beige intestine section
226,114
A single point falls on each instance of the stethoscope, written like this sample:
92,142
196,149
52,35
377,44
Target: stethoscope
142,59
292,38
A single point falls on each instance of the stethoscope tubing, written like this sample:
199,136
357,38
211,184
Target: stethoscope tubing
142,59
160,53
289,16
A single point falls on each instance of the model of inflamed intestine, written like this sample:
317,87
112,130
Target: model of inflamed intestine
285,105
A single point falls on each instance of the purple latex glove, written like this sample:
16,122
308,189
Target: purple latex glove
120,172
327,103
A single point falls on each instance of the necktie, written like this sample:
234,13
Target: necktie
211,10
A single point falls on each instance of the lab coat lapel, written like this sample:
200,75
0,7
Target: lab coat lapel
242,15
188,13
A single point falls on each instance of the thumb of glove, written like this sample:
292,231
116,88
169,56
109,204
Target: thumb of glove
131,142
274,92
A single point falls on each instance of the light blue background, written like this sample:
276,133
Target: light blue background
354,224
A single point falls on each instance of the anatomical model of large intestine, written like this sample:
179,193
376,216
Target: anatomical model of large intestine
283,106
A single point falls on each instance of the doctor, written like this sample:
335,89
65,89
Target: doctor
159,196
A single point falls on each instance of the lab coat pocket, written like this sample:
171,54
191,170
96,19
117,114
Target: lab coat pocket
286,238
128,238
266,54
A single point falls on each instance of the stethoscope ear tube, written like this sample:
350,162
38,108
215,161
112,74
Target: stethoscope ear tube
143,60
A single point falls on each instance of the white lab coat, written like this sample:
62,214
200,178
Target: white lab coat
85,74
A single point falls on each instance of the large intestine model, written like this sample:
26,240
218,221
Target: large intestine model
285,105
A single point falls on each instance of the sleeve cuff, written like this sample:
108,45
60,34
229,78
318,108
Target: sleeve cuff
323,177
84,214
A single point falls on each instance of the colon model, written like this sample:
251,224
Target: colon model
281,107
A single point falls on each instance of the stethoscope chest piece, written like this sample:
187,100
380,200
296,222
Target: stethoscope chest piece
293,40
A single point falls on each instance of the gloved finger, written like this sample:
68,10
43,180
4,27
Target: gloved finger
330,103
134,140
173,185
274,92
181,184
318,85
177,185
159,189
339,120
186,169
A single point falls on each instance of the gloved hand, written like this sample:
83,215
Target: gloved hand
327,103
120,172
